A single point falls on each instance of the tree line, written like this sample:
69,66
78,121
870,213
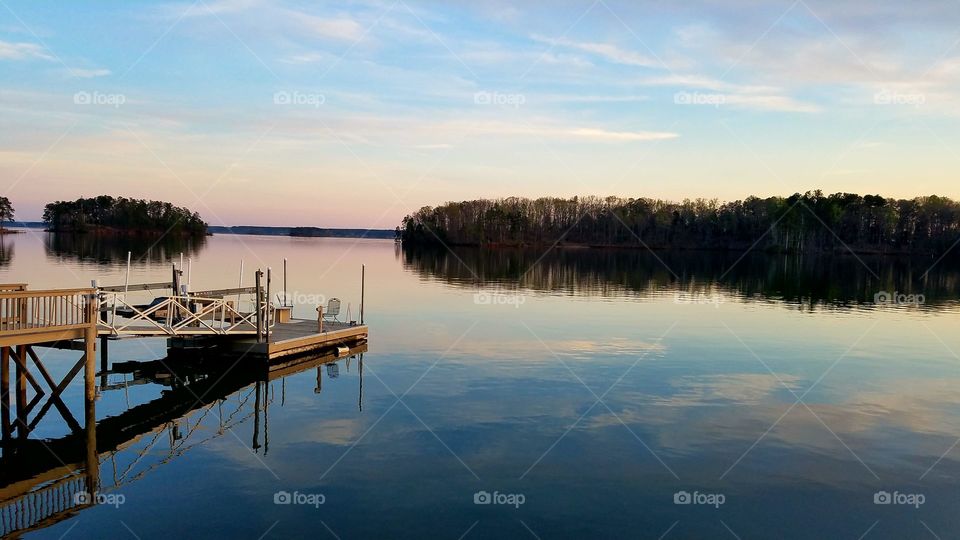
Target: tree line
809,222
106,213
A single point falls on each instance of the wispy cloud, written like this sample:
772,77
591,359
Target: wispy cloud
340,28
608,51
88,73
23,51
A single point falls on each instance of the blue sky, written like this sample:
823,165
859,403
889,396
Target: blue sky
356,113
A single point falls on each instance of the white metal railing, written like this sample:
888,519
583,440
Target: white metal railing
182,315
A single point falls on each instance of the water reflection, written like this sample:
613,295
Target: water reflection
802,280
44,482
6,251
106,249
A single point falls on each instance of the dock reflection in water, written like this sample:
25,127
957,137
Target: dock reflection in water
44,482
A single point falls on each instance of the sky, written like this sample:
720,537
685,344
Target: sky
354,114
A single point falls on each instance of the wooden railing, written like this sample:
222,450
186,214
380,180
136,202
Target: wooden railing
45,506
23,312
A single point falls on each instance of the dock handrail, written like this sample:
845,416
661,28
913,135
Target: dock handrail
182,315
26,311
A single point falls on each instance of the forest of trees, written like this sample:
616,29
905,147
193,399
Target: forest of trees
811,222
120,214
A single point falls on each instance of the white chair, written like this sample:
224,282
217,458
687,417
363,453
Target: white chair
332,311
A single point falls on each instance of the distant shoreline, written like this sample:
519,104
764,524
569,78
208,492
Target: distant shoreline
573,246
256,230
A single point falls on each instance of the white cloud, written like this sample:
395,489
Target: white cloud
608,51
605,135
746,96
341,28
216,7
576,98
770,103
574,133
89,73
306,58
23,51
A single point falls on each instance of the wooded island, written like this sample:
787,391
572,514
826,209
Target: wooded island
811,222
106,214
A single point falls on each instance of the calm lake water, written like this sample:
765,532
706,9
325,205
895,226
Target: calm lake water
583,394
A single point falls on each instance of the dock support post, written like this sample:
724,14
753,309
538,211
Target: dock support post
363,280
284,282
90,349
5,391
22,428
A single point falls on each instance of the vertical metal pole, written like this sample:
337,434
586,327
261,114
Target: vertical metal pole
173,311
256,303
189,273
126,280
266,305
239,285
174,286
284,282
363,279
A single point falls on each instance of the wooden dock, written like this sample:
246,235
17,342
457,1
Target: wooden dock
300,336
74,319
37,486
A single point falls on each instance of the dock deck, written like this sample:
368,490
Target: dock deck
300,336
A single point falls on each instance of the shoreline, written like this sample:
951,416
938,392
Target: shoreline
494,246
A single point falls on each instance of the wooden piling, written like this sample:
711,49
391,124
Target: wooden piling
90,348
5,391
21,385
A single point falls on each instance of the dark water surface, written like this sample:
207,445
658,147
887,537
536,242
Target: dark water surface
590,392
